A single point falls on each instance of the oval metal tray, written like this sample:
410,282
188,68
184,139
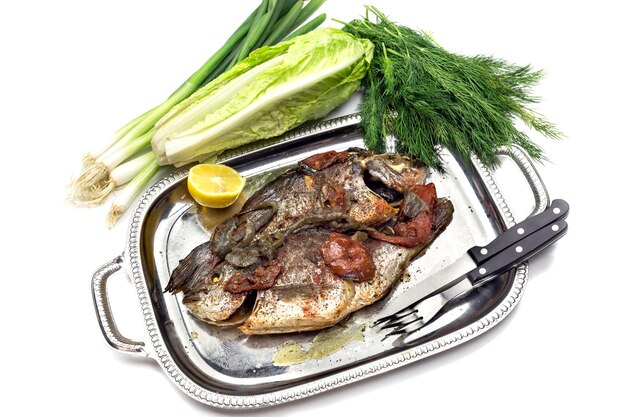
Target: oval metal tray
221,366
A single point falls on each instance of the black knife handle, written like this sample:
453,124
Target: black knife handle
558,210
518,253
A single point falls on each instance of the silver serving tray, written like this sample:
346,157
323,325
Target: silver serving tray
224,368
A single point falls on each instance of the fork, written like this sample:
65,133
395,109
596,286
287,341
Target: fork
505,252
415,317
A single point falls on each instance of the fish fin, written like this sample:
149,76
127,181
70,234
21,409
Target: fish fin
443,216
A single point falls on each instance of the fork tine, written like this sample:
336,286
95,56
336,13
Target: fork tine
403,320
409,327
409,321
402,313
423,312
412,331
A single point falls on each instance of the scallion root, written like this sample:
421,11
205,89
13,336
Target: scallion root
114,215
92,186
88,160
98,193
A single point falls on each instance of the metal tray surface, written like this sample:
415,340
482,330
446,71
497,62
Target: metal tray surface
223,367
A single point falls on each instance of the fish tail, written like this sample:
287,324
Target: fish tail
191,269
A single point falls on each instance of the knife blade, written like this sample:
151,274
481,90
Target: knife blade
482,263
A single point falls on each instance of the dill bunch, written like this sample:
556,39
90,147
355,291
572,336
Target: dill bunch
427,97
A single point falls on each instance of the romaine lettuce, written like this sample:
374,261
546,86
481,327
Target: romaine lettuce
272,91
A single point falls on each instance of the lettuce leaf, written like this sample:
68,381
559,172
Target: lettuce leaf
272,91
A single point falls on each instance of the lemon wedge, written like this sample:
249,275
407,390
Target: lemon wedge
214,185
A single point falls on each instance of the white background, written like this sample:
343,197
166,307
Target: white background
71,72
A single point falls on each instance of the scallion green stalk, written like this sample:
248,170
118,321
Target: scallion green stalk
97,152
256,30
307,11
287,5
275,7
313,24
284,24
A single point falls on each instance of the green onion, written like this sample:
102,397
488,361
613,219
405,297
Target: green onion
125,172
313,24
102,169
259,24
97,152
128,153
287,5
96,173
279,30
122,174
275,8
307,11
284,24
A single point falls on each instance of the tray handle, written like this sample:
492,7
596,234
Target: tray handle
103,310
537,186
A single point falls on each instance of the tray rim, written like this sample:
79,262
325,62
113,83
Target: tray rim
159,352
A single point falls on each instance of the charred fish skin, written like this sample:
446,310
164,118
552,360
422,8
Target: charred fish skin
202,284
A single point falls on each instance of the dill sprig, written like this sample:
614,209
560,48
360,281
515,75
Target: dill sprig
428,97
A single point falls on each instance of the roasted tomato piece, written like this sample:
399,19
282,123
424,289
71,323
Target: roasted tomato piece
262,278
348,258
324,160
427,193
418,227
418,209
408,234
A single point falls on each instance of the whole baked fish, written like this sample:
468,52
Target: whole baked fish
317,243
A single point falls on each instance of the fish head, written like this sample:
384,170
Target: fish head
392,171
383,180
361,184
209,300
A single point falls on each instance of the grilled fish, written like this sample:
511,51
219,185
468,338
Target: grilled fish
321,241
